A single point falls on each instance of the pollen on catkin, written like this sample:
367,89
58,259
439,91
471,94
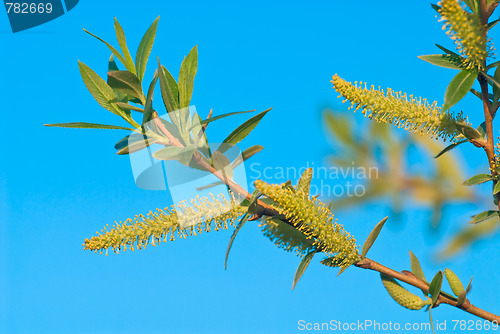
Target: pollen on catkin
311,217
182,220
405,111
466,30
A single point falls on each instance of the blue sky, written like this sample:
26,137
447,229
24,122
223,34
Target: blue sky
58,186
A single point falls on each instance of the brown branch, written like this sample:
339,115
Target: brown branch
412,280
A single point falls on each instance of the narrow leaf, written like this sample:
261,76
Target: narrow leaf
112,64
120,36
113,50
459,87
244,129
468,131
372,237
484,216
302,267
211,119
445,50
450,147
144,49
186,77
496,188
416,269
447,61
304,183
148,107
478,179
463,295
83,125
126,82
222,164
253,199
135,143
247,154
169,89
99,89
435,287
126,106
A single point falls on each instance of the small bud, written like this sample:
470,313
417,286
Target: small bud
455,283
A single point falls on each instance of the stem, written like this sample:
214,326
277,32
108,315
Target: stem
414,281
489,113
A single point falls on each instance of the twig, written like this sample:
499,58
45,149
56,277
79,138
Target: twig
414,281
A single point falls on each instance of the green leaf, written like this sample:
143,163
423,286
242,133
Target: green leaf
133,143
244,129
247,154
211,119
304,183
113,50
372,237
302,267
148,107
99,89
447,60
255,195
478,179
459,87
169,89
483,216
492,24
450,147
222,164
126,82
472,5
168,153
463,295
126,106
435,287
496,188
144,49
120,36
236,230
468,131
186,77
83,125
112,64
436,7
416,269
448,52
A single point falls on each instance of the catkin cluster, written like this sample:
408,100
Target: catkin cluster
466,30
314,220
204,214
412,114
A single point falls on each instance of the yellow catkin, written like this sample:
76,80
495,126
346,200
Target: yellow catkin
454,282
466,30
311,217
402,296
404,111
182,220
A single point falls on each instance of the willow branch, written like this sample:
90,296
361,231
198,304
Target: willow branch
416,282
